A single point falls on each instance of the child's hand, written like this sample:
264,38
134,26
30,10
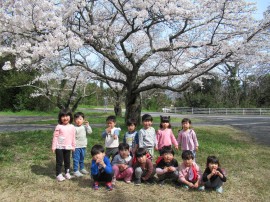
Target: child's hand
197,148
108,130
53,150
166,169
176,147
196,185
171,169
115,137
86,123
156,148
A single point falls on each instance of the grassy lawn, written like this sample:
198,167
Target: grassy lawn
27,170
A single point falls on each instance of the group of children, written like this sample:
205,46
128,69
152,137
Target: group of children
132,160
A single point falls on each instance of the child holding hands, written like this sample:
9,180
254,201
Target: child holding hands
101,169
111,136
213,176
122,164
167,166
63,142
189,172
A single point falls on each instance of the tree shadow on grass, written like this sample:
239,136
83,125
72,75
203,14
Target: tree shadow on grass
47,170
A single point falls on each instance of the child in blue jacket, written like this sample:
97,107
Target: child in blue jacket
101,169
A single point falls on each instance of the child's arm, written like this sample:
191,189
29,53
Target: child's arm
55,137
174,141
88,127
116,133
150,169
106,132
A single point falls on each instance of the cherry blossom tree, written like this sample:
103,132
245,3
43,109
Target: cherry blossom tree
163,44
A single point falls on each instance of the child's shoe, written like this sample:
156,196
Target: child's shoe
78,174
201,188
60,178
109,186
85,172
67,176
137,182
185,186
127,181
219,190
95,186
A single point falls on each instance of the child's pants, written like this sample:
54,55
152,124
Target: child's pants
62,155
141,173
103,177
126,174
169,175
78,158
214,184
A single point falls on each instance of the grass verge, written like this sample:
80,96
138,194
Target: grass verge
27,170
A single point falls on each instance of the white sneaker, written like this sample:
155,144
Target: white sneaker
78,174
67,176
83,171
60,178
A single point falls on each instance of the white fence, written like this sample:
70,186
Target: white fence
221,111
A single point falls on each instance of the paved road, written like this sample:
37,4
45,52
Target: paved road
257,127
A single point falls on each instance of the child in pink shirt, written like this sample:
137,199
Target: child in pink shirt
189,172
187,137
164,135
63,141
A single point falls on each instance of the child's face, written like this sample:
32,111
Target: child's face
98,156
168,157
147,124
111,124
188,162
79,121
142,159
124,153
131,128
212,166
185,125
65,119
165,124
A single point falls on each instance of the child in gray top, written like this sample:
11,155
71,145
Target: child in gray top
81,143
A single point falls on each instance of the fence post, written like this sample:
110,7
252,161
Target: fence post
260,111
243,111
192,110
226,112
208,110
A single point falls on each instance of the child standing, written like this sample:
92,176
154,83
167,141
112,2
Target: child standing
165,136
130,136
213,177
101,169
122,164
167,166
147,135
111,135
187,137
143,168
189,172
63,141
81,143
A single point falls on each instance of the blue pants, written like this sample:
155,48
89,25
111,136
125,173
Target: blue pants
78,158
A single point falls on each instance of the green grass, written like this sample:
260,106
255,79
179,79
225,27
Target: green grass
27,169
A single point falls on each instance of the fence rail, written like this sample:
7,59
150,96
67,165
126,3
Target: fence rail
220,111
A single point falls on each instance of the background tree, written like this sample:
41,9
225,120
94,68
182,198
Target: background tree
148,44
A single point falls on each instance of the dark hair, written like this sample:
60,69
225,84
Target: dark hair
186,120
167,150
78,114
111,118
212,159
123,146
147,117
97,149
65,112
140,152
165,119
187,154
131,122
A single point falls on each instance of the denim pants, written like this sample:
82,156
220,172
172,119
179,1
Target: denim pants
78,158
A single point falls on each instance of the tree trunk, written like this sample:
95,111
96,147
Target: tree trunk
118,110
133,107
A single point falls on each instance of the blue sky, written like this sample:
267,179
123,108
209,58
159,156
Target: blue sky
261,6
